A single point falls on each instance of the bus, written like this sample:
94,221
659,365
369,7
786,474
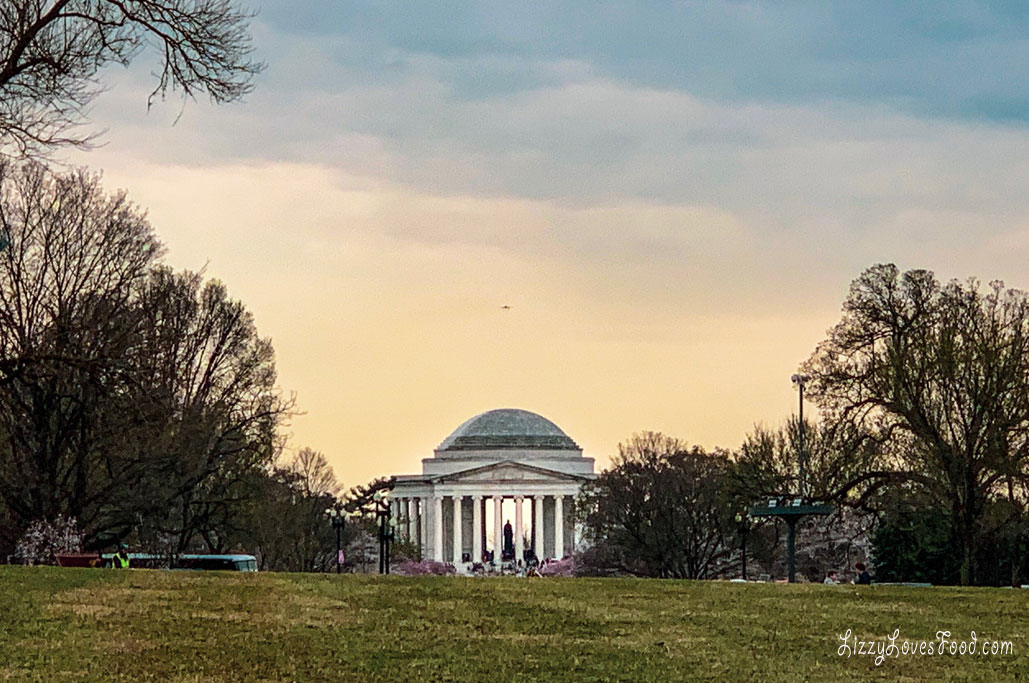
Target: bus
231,563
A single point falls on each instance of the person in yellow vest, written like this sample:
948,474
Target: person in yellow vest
121,558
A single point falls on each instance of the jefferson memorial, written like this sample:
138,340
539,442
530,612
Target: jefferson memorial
500,488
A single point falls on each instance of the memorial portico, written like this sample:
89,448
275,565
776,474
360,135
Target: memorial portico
503,473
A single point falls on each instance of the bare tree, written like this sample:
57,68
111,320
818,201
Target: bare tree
314,474
939,376
838,457
133,398
286,523
206,379
660,510
52,53
67,274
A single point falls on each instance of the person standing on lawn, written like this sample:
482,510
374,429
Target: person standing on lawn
121,558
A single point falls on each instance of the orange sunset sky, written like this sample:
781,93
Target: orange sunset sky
673,202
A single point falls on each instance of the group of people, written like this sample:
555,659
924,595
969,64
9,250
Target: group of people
861,578
531,566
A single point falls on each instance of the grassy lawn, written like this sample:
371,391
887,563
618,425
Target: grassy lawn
82,624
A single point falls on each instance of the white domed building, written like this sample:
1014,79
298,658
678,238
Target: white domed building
502,467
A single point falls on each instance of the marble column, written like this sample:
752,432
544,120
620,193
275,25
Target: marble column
498,529
437,528
559,527
519,542
457,529
399,508
412,513
423,527
476,528
537,527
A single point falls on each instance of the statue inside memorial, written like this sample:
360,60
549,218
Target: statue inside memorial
509,551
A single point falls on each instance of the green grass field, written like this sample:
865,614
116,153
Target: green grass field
82,624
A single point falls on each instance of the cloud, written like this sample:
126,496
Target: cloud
952,58
673,197
820,190
803,119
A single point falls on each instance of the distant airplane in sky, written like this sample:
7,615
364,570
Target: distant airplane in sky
506,307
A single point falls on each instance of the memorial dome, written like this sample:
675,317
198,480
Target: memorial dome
508,428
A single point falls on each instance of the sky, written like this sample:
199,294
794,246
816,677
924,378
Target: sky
672,197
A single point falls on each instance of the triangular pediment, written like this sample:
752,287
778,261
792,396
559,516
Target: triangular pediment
507,471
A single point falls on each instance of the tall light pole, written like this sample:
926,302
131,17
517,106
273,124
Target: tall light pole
338,517
384,512
743,522
800,381
792,511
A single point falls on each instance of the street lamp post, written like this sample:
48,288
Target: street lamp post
337,516
792,511
800,381
384,513
743,521
791,549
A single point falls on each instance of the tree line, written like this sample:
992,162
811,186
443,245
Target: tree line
138,400
137,403
923,391
142,402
